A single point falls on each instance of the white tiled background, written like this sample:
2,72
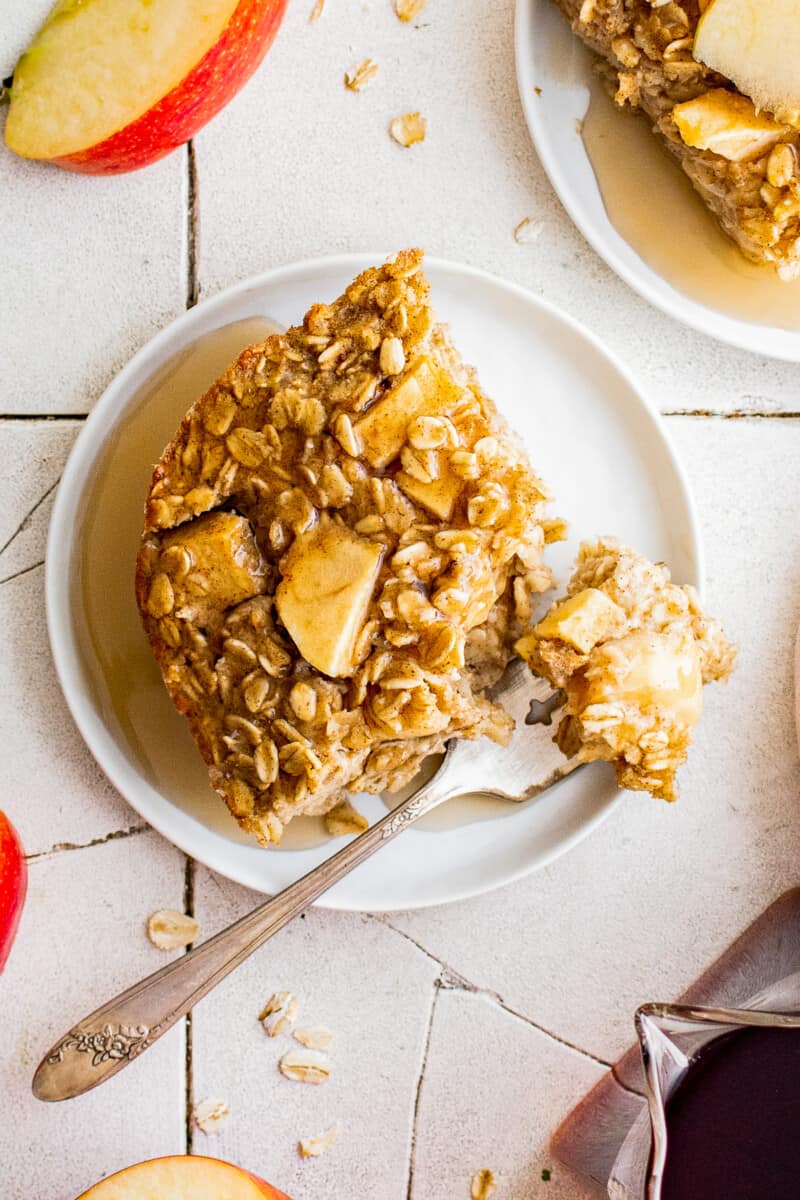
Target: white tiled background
464,1033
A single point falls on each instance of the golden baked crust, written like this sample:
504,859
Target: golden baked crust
340,546
632,652
646,52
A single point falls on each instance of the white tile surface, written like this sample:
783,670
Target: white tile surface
34,453
352,975
298,166
91,267
52,789
514,1086
81,940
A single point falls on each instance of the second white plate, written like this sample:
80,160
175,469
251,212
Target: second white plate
669,249
588,432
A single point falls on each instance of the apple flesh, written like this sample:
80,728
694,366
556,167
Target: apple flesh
727,123
755,44
13,885
179,1177
112,85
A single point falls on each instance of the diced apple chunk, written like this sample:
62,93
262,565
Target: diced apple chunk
382,430
329,575
727,124
582,620
439,496
224,565
755,44
663,671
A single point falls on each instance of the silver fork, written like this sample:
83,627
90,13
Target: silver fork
123,1028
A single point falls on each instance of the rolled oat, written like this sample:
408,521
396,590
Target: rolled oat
305,1066
279,1013
168,929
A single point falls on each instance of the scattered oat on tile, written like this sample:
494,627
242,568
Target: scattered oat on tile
314,1037
482,1185
305,1066
316,11
169,929
362,76
409,10
345,819
210,1115
528,231
314,1146
279,1013
409,129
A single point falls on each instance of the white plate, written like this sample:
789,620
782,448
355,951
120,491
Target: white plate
588,431
554,72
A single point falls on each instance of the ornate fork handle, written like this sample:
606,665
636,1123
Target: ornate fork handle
122,1029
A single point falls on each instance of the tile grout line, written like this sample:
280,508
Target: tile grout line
43,416
188,908
495,998
22,571
114,836
453,980
418,1091
737,414
192,285
192,296
26,519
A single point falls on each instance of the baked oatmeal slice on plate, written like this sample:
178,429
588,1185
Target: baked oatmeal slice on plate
338,543
549,377
702,219
741,161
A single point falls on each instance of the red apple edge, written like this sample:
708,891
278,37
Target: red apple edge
199,96
13,885
270,1192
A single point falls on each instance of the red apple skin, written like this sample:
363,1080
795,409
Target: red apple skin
199,96
269,1192
13,885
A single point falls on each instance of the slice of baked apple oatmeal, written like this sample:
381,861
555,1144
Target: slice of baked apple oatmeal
740,157
339,550
632,652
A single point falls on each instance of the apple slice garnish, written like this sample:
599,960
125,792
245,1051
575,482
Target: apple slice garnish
13,885
755,44
183,1177
112,85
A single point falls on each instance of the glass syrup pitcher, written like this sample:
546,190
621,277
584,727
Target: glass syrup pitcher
723,1102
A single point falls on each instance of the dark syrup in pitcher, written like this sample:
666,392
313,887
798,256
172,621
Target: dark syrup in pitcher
733,1125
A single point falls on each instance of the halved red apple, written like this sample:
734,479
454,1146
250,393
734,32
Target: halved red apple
112,85
13,885
183,1177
